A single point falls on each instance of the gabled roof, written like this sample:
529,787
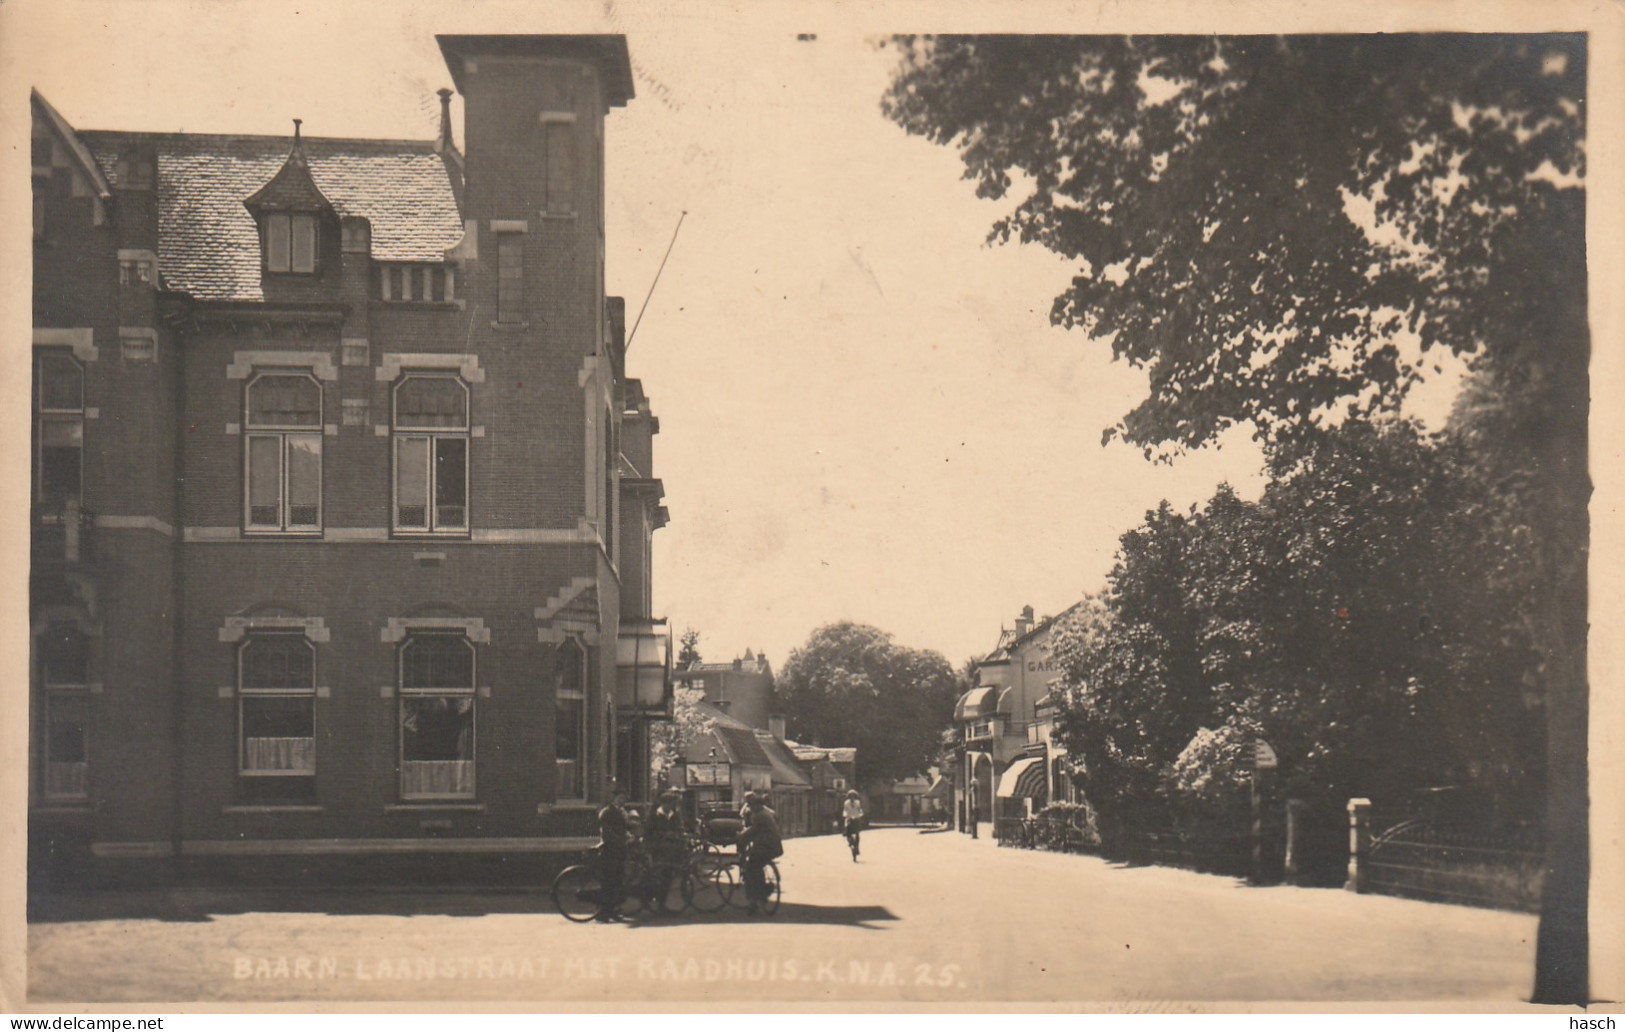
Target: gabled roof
75,145
734,740
208,244
743,748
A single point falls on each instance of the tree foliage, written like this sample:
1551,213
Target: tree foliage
1279,231
1330,619
852,685
1258,220
689,651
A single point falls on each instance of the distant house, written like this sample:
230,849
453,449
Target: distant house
1008,765
743,688
732,758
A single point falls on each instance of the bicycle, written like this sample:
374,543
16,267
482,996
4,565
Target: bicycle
707,878
853,829
578,890
733,889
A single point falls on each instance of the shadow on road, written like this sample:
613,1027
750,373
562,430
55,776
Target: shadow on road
200,905
190,905
861,916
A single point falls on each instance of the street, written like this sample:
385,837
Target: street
926,918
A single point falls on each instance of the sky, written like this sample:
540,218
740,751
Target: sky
864,411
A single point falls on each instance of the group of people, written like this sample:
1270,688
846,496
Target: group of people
666,840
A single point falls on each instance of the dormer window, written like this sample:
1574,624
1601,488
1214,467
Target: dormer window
289,243
290,210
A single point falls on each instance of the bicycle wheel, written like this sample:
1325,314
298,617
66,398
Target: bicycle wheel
707,888
731,880
770,905
578,893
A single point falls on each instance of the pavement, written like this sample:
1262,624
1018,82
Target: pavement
930,919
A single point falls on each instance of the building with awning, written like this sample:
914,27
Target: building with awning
1003,734
1025,783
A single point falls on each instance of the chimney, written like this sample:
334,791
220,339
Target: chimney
739,664
445,143
775,724
1024,622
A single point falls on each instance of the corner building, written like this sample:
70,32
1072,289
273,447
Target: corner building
343,500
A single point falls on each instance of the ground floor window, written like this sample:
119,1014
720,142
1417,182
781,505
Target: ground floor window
437,716
67,745
64,673
276,718
570,722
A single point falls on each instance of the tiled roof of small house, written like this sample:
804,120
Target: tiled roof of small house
208,245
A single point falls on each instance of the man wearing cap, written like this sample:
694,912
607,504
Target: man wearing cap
759,843
663,831
852,820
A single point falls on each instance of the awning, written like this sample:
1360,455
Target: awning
976,704
1023,779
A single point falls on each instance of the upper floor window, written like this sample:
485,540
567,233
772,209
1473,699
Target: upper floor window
355,235
282,479
65,677
276,700
290,242
431,453
59,430
560,143
134,172
510,277
437,716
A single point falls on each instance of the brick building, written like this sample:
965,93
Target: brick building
342,497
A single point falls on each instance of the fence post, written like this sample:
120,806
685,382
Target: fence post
1359,843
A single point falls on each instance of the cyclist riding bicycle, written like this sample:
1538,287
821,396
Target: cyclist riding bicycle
852,820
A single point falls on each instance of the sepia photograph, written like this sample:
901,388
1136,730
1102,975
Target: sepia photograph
922,507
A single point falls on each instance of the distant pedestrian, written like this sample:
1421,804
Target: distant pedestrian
972,817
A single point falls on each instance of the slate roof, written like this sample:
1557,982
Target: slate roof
208,245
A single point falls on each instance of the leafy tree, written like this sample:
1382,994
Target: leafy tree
851,685
668,740
689,653
1278,230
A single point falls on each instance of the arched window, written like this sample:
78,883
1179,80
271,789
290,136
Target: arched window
59,431
437,716
282,479
570,722
431,454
